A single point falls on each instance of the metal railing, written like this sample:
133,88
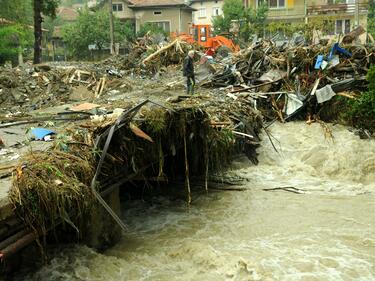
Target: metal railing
294,12
337,8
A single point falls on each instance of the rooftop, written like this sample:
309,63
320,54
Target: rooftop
67,14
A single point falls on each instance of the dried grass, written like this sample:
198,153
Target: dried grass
52,189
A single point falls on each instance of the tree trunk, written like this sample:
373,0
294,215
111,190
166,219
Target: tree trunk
111,28
37,31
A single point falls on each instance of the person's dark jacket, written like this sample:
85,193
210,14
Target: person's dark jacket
188,67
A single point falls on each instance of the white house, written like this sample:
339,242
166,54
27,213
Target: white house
206,10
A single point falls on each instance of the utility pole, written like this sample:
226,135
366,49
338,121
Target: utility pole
111,28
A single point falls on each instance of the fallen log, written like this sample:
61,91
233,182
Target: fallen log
17,245
161,50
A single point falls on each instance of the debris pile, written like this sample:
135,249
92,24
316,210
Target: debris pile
284,79
52,189
157,142
32,86
147,58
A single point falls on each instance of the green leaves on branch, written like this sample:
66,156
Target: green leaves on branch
322,25
19,11
151,29
49,7
93,29
362,110
248,21
13,39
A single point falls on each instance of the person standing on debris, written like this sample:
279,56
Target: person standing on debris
189,72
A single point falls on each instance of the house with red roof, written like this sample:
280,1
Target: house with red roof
170,15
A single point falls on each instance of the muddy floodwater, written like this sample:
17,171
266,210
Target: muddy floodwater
325,233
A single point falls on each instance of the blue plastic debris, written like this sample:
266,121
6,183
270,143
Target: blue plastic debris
336,48
319,61
41,133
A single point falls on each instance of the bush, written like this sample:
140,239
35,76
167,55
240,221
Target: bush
361,112
152,29
93,29
12,39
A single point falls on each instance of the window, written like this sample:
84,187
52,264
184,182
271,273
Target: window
274,4
260,3
157,13
202,13
342,26
203,34
216,11
117,7
165,25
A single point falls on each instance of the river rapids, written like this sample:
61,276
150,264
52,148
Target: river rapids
327,232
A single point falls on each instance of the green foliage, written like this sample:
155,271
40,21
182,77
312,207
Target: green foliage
362,110
92,28
50,23
221,24
324,25
233,11
254,21
13,38
151,29
128,30
249,21
49,7
19,11
371,17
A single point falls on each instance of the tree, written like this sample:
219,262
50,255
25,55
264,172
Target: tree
151,29
249,21
50,24
47,8
92,29
13,39
19,11
361,111
233,10
254,21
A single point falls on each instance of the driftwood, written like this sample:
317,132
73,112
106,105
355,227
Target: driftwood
286,188
228,188
18,244
353,35
161,50
257,86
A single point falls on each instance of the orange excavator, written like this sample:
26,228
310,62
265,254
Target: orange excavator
201,34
